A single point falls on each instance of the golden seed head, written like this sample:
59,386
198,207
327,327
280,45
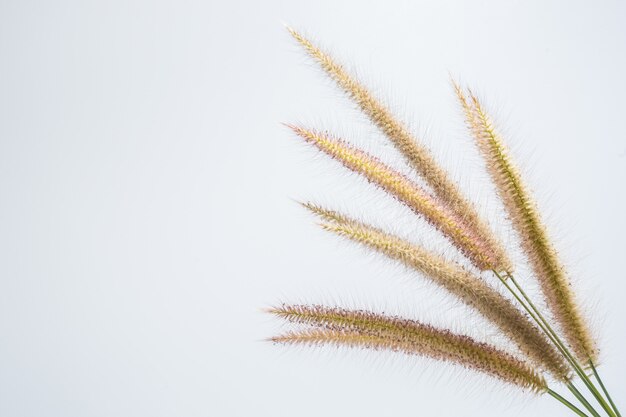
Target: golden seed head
526,220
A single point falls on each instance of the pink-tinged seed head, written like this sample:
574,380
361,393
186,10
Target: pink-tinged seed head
408,192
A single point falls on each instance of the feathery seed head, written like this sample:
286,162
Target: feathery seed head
365,329
525,218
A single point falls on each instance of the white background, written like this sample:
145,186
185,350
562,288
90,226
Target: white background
147,190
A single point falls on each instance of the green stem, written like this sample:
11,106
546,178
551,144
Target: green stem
571,358
539,323
567,403
582,399
545,327
606,392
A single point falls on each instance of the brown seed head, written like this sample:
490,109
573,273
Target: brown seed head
365,329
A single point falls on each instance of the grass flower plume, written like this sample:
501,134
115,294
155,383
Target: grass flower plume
541,356
366,329
524,215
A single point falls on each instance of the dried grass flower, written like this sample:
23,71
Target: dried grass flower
523,213
565,357
359,328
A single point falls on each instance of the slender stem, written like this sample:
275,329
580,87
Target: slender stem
582,399
543,325
532,315
577,367
539,322
606,392
549,331
567,403
578,395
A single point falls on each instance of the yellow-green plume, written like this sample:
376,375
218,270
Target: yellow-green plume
523,213
468,288
417,155
365,329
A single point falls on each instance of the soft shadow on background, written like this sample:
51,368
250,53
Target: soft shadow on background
147,187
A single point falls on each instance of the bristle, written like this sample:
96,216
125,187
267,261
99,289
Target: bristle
535,243
418,157
365,329
468,111
409,193
326,214
468,288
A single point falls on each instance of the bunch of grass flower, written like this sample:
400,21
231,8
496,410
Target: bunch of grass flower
539,347
418,156
468,288
464,285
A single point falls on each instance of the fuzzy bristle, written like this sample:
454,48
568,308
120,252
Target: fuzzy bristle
525,218
418,157
326,214
340,327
